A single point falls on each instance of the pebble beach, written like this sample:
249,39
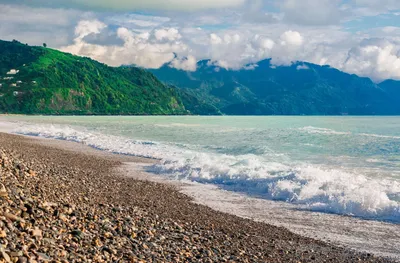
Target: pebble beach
65,202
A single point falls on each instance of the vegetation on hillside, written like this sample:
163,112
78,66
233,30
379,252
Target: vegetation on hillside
39,80
298,89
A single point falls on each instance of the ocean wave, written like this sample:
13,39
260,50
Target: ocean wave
184,125
310,187
317,130
110,143
379,136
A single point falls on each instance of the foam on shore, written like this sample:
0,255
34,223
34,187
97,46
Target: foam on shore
309,187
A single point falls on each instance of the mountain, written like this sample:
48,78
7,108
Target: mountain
298,89
38,80
392,87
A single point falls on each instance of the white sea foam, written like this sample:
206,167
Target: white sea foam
6,126
307,186
176,125
317,130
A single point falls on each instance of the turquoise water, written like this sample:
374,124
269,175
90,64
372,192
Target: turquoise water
343,165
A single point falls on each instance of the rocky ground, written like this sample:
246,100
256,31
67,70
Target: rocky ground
63,206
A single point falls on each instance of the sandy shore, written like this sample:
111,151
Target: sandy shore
65,202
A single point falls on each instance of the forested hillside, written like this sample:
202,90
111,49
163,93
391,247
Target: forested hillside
298,89
38,80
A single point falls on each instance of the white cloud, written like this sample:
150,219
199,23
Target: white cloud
236,48
264,43
250,67
169,34
233,51
375,58
136,21
215,39
302,67
134,5
228,50
86,27
150,50
291,38
187,64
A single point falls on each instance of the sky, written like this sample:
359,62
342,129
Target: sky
355,36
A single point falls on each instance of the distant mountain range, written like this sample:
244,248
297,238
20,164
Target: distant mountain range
298,89
38,80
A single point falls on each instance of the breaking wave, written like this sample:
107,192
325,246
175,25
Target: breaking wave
311,187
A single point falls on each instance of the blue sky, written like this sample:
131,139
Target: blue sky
356,36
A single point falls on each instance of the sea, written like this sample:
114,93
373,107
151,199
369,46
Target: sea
331,178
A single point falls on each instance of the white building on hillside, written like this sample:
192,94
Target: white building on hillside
12,72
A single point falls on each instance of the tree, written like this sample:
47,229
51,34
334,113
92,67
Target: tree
44,45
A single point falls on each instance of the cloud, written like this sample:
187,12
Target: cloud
26,15
378,5
255,13
132,5
149,50
378,59
311,12
86,27
169,34
38,25
215,39
136,22
302,67
106,37
291,38
228,50
187,64
373,7
234,50
250,67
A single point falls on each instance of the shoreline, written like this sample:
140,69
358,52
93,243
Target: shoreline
366,236
90,180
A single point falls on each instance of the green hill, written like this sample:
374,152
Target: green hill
37,80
